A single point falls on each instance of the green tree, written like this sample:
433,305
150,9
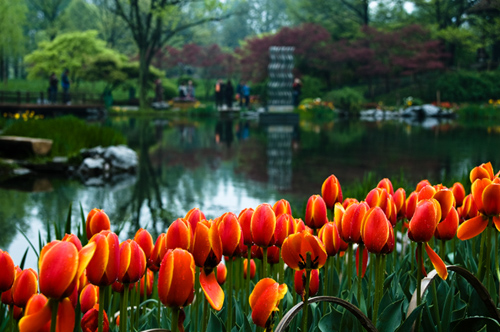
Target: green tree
12,19
46,15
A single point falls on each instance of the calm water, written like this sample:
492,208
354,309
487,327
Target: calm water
222,165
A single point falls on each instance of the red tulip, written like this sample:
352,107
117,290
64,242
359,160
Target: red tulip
422,184
90,320
150,277
447,229
245,268
381,198
176,278
483,171
348,201
245,219
97,220
132,262
316,215
298,226
468,209
179,235
329,235
7,295
427,192
194,216
411,204
296,247
350,226
145,241
387,185
73,239
207,245
273,255
230,234
263,225
446,201
38,315
264,300
103,268
400,202
24,287
375,230
282,207
424,221
221,273
284,227
159,251
331,191
300,282
211,288
364,264
8,271
89,297
459,193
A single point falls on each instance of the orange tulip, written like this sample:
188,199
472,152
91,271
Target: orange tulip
264,301
159,251
263,225
245,219
7,295
38,315
221,273
73,239
483,171
132,262
61,266
82,281
89,297
316,215
24,287
350,226
8,271
447,229
230,234
179,235
176,278
211,288
252,268
468,209
348,201
446,200
424,221
331,191
386,184
459,193
145,241
411,204
103,268
90,320
97,220
194,216
207,245
282,207
364,263
150,277
298,226
427,192
381,198
329,235
300,283
422,184
400,202
284,227
375,230
296,247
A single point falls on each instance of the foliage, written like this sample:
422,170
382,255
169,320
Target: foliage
12,19
471,86
169,89
312,87
474,112
69,134
346,99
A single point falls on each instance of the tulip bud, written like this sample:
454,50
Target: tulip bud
179,235
284,227
8,271
331,191
221,273
447,229
159,251
24,287
329,235
132,262
73,239
316,215
193,217
282,207
263,225
300,283
424,221
89,297
483,171
245,220
207,245
90,321
264,300
350,226
252,268
104,266
273,255
422,184
400,202
375,230
145,241
459,193
7,295
97,220
230,234
176,278
387,185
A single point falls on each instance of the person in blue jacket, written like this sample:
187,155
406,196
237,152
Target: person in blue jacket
65,83
246,94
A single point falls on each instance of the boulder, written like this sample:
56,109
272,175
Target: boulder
91,167
24,146
121,158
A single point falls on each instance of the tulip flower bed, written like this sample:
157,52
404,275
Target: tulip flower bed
348,265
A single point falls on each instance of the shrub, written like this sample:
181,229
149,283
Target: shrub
464,85
312,87
346,99
170,90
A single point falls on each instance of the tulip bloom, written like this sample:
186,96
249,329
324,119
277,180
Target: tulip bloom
350,226
245,220
400,202
329,235
38,315
24,287
264,301
194,216
145,241
263,225
90,320
446,201
300,283
422,184
331,191
73,239
447,229
8,271
89,297
411,204
375,230
483,171
132,262
6,297
176,278
284,227
381,198
468,209
97,220
159,251
273,255
252,268
316,215
207,245
103,268
296,248
230,234
221,273
282,207
459,193
179,235
386,184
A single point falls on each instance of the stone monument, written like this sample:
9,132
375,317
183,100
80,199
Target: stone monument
280,79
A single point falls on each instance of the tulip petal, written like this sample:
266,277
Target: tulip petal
213,292
65,316
36,321
437,262
365,262
496,221
471,228
265,303
84,257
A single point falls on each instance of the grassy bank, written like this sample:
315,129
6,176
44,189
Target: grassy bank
479,112
69,134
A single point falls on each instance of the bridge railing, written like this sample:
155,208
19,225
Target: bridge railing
42,97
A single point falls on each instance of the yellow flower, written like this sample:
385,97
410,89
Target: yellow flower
16,116
490,101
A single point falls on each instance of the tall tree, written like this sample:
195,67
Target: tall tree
46,15
154,22
12,19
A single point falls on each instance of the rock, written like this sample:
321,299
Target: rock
94,152
121,158
91,167
24,146
427,110
20,171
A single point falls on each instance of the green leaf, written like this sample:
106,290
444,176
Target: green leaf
23,260
476,323
29,242
67,229
57,231
330,321
427,322
240,316
214,323
447,310
408,323
49,238
391,317
83,237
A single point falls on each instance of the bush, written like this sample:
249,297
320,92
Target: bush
69,134
463,86
346,99
312,87
170,90
472,112
260,90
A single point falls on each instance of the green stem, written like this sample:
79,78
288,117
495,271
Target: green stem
281,264
488,255
306,296
338,269
175,319
229,294
454,245
205,316
11,318
402,255
436,306
497,268
325,282
133,301
377,290
124,311
249,257
419,279
101,308
360,271
198,298
480,268
155,293
264,263
349,267
442,248
54,305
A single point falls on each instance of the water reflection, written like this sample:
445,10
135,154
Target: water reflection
229,164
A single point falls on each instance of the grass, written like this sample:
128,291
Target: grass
69,134
474,112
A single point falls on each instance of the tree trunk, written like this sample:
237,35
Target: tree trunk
143,78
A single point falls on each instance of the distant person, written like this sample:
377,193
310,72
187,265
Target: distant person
158,90
65,83
53,81
246,94
219,94
229,94
296,91
239,92
182,90
190,90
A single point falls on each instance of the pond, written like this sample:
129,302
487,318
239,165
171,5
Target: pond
228,164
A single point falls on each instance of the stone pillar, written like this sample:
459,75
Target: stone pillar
280,79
